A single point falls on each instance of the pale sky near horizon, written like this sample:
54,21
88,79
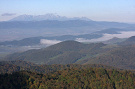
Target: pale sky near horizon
98,10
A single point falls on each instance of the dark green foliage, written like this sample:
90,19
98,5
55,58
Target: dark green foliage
13,66
70,78
16,80
66,58
66,52
36,56
72,52
122,57
9,68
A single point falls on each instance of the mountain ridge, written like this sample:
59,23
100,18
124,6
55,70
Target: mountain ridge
66,52
46,17
129,41
12,30
72,52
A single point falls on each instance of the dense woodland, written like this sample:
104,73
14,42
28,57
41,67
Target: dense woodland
26,75
14,66
70,65
70,78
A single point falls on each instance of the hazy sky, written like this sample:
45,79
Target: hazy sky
100,10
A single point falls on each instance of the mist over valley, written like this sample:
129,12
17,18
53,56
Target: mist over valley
67,44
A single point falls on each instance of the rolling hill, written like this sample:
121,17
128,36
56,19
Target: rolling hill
122,57
129,41
66,52
72,52
114,40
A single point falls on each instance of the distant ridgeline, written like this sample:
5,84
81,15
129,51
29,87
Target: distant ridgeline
26,26
72,52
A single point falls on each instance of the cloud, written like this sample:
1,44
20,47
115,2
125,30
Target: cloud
82,40
49,42
124,34
8,14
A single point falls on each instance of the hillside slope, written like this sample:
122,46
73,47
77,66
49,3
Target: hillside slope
66,52
72,52
129,41
122,57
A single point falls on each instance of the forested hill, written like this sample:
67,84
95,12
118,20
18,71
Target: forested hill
90,78
93,74
129,41
66,52
72,52
18,65
122,57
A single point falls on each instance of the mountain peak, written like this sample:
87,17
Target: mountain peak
66,45
48,16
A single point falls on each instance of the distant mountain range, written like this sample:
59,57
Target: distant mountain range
46,17
81,38
19,29
37,40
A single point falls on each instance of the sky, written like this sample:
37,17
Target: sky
98,10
